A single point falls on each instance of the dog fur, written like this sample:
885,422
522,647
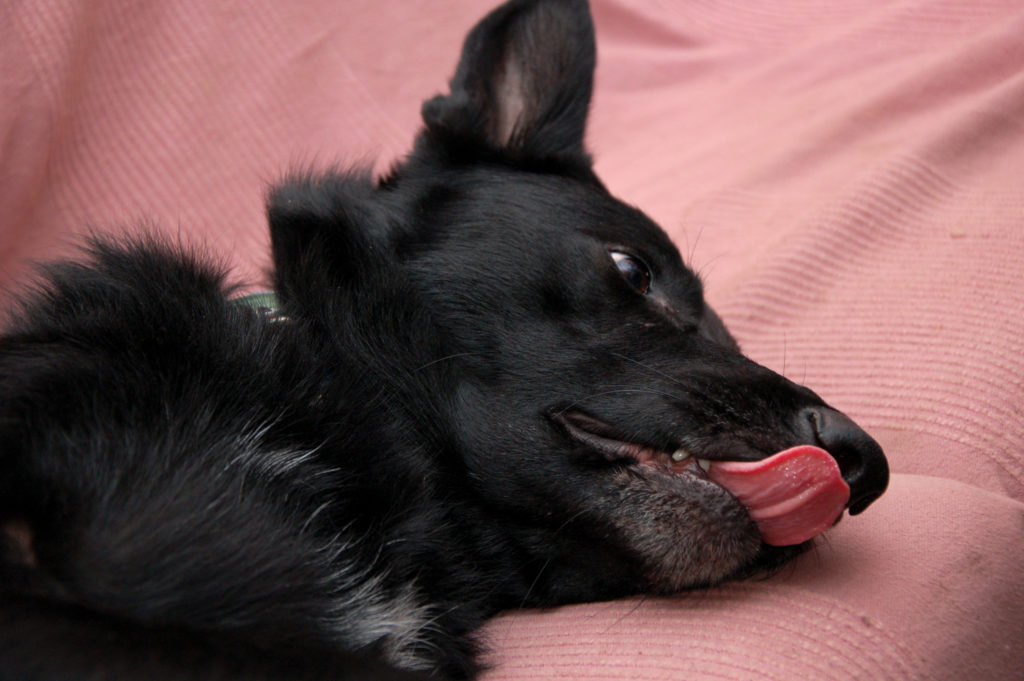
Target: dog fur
441,422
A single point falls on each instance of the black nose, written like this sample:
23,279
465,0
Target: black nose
860,458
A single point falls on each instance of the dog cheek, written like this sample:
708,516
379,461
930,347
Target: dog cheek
685,533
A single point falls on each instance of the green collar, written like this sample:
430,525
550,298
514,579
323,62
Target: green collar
265,303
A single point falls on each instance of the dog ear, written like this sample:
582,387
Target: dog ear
326,230
523,82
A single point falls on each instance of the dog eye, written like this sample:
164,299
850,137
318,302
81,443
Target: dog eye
634,270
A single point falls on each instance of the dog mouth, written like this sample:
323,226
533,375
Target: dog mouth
792,495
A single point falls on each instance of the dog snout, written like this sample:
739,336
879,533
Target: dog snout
861,460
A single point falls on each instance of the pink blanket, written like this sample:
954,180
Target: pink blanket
848,177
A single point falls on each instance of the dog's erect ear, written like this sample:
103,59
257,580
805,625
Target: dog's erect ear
523,83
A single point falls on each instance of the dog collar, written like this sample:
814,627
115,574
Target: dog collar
265,304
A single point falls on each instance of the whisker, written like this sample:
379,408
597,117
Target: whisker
692,248
543,567
783,372
618,391
636,606
444,359
647,368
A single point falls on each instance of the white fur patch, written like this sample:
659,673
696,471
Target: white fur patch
359,611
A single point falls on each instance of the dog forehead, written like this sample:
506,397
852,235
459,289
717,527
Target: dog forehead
512,208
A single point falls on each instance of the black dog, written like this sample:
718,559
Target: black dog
488,385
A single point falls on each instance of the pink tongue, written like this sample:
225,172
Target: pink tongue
792,496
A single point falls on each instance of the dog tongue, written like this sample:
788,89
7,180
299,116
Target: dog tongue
792,496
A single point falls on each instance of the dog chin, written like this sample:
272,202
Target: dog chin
685,530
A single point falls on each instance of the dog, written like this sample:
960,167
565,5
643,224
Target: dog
484,383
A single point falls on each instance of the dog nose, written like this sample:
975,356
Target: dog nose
861,460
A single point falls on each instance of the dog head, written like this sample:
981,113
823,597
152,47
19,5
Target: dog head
588,396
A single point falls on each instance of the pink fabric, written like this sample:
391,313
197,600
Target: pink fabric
846,175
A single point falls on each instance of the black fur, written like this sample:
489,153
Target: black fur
188,491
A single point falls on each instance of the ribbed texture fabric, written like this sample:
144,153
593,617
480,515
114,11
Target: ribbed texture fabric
846,176
732,633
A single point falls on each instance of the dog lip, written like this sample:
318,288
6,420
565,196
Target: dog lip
599,436
577,420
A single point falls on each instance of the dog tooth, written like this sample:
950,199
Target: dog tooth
680,454
704,464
